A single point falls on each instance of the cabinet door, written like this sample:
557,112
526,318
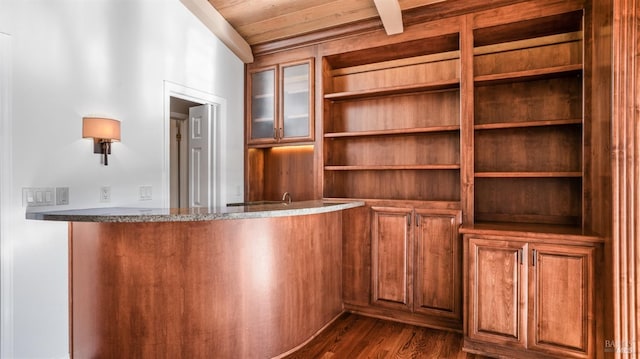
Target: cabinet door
262,106
561,280
437,277
497,286
297,100
391,257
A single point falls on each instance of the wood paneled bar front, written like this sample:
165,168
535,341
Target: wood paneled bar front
238,282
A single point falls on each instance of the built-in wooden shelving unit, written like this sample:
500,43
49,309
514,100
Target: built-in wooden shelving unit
393,128
477,124
528,140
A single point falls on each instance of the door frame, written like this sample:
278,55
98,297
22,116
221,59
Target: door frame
6,200
219,104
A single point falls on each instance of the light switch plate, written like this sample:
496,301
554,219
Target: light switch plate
38,196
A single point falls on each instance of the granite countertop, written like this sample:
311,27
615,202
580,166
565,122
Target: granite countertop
129,214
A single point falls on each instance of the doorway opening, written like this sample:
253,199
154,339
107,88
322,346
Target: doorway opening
178,156
193,121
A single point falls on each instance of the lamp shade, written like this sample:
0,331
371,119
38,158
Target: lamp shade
101,128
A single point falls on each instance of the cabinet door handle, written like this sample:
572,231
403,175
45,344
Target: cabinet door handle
520,255
281,132
275,133
534,257
408,221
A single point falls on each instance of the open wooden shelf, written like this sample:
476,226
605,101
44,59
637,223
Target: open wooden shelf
528,136
392,167
527,174
399,131
394,90
529,75
394,184
540,200
432,150
392,130
505,125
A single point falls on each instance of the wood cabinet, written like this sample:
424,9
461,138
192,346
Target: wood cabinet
530,257
280,103
280,147
391,257
530,298
561,300
487,111
437,280
416,261
497,292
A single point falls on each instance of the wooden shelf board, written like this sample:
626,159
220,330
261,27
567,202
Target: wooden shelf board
385,91
442,56
526,230
529,43
548,72
504,125
527,174
392,167
400,131
391,202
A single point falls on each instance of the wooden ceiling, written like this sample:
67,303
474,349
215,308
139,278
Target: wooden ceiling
263,21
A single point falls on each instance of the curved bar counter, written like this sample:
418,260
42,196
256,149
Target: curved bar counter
235,282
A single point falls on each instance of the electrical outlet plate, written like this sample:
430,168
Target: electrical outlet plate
62,196
146,193
105,194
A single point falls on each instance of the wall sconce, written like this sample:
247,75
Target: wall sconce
103,131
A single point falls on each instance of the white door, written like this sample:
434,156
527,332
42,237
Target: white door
201,155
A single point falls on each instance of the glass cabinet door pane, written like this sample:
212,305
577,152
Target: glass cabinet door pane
295,100
263,104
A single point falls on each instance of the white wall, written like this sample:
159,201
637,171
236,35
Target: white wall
108,57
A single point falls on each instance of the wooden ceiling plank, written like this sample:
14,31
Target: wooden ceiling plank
311,19
217,24
391,15
250,11
411,4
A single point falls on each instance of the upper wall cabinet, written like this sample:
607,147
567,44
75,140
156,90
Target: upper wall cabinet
280,104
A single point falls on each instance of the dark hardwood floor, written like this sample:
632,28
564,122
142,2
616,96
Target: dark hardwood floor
355,336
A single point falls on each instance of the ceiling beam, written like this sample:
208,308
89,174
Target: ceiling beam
391,16
220,27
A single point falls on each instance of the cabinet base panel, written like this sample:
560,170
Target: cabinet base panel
406,318
497,351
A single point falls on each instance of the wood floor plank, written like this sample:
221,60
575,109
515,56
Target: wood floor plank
354,336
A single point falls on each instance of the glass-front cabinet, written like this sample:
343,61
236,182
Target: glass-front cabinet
263,103
280,103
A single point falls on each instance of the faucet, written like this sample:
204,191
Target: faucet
286,196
